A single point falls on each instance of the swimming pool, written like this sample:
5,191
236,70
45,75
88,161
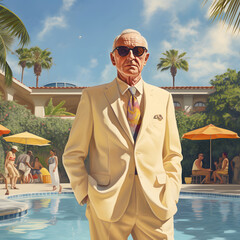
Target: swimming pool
60,217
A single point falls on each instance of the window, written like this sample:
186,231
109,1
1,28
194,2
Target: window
60,84
199,104
177,105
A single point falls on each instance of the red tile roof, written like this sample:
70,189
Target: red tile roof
190,87
183,87
57,87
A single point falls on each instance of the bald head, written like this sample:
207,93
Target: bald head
129,31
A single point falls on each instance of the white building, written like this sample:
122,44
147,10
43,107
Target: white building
36,98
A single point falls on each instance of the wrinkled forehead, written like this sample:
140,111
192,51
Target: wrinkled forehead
131,40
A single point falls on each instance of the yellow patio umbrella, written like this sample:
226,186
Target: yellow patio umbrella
209,132
27,139
4,130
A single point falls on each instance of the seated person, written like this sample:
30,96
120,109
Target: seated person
197,169
218,164
36,168
223,170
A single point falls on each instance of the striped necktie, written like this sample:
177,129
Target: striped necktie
133,113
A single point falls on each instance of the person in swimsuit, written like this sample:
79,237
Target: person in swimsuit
11,167
36,168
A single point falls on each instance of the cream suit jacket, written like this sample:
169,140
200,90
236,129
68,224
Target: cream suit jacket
101,128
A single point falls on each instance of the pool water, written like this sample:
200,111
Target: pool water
60,217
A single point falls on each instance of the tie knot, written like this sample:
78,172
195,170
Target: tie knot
133,90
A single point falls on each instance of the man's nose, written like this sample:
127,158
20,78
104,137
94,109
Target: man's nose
130,54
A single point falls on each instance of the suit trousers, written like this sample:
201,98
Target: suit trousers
138,220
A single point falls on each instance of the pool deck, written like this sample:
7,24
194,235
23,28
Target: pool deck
10,206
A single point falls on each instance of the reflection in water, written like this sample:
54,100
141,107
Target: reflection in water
209,218
198,218
224,209
54,205
38,205
197,206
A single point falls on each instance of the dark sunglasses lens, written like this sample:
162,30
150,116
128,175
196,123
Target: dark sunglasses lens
123,51
138,51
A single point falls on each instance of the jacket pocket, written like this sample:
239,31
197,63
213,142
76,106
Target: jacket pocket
160,180
101,179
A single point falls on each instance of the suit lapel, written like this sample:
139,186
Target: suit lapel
112,95
148,99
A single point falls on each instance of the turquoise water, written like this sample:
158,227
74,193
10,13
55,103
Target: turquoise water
60,217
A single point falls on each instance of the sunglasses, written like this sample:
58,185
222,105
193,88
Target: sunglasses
124,51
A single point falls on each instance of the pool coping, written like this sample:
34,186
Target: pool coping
16,211
19,209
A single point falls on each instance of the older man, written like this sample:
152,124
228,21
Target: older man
129,129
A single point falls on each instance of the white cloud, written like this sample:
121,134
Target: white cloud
182,31
93,63
67,4
165,45
152,6
57,21
202,68
108,74
209,50
52,22
215,41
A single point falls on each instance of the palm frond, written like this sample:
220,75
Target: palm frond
166,68
182,55
10,22
184,65
226,10
7,70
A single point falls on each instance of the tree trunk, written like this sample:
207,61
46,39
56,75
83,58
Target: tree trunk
23,65
173,72
37,81
22,75
37,71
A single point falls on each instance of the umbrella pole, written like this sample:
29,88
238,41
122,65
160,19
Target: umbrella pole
210,153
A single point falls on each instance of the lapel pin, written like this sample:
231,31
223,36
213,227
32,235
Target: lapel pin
158,116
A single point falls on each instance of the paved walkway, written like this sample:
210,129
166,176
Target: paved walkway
30,188
231,189
204,188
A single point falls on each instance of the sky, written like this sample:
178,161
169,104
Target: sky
80,33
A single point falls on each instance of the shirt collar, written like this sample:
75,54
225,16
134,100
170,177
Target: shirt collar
123,87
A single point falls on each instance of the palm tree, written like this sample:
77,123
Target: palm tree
58,110
23,54
11,27
226,10
173,61
39,59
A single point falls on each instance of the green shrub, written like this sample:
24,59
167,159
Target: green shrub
19,119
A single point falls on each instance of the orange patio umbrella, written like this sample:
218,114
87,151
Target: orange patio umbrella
209,132
4,130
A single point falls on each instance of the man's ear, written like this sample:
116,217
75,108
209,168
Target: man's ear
112,59
146,58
